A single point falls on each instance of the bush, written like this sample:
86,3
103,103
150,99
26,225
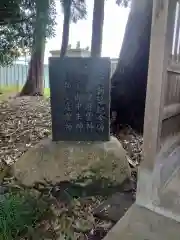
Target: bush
19,214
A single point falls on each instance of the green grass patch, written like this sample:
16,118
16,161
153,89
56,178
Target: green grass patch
15,89
10,89
46,92
19,215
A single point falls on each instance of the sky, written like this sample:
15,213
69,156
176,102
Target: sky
115,20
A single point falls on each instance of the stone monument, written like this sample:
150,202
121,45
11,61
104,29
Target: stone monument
80,99
81,146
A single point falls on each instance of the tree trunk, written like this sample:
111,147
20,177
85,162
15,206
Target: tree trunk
34,82
97,28
66,26
130,78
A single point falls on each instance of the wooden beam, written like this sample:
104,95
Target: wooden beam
171,111
174,67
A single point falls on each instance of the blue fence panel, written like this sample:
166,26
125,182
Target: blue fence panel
46,76
16,74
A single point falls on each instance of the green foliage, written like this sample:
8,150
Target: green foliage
51,20
17,36
78,9
17,22
124,3
9,11
19,213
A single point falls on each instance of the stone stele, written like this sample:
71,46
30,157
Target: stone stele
64,161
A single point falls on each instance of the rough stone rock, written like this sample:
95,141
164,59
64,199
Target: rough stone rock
114,207
64,161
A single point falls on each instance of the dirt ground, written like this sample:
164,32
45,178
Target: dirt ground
23,123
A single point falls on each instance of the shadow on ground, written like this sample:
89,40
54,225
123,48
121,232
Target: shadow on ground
90,185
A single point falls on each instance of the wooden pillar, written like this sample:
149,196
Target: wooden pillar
160,50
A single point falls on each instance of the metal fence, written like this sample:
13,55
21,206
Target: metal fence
15,75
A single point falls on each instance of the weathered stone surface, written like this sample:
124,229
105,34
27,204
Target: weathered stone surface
140,223
63,161
115,207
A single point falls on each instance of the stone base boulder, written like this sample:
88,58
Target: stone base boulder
64,161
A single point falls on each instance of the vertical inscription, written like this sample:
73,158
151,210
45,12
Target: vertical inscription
79,126
80,99
89,113
100,110
67,106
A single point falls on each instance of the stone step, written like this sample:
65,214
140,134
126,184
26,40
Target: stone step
142,224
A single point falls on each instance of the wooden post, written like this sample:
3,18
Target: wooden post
161,44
